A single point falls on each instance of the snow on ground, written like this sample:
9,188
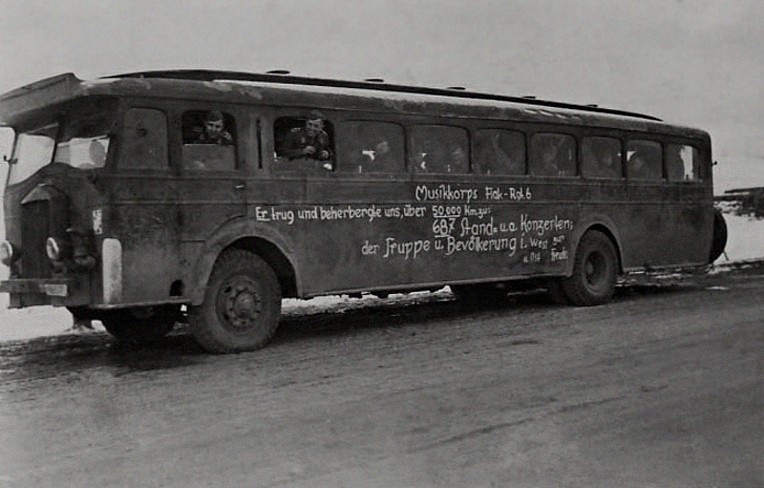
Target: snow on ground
746,239
746,242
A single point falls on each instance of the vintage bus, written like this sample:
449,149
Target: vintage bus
133,197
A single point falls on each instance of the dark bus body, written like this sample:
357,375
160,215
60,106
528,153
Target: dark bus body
158,221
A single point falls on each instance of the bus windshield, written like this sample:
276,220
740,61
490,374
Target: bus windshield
81,144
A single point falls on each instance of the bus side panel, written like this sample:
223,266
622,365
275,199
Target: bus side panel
665,225
376,233
144,219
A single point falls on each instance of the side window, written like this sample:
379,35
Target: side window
439,149
553,155
644,160
370,147
682,163
601,157
304,143
144,139
499,152
209,142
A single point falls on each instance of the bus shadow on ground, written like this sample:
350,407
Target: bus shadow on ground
383,314
52,356
434,309
70,353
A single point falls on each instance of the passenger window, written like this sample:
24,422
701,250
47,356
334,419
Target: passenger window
304,143
499,152
144,139
601,157
682,163
553,155
370,147
209,142
439,149
644,160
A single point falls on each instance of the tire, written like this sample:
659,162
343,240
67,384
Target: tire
241,306
719,240
142,325
595,270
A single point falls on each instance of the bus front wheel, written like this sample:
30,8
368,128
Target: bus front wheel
595,270
141,325
241,306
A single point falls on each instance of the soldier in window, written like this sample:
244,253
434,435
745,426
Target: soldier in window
639,167
310,141
549,160
213,131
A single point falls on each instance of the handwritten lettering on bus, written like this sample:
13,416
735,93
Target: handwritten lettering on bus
462,220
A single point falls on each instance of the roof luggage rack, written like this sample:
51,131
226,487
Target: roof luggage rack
211,75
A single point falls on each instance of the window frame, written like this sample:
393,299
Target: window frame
228,112
268,132
552,130
640,139
523,132
699,177
340,146
410,162
118,160
621,159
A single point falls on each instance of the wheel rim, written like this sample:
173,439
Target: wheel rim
239,303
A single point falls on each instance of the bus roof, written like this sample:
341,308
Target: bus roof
454,92
237,87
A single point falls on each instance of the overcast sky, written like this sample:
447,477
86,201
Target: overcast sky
700,62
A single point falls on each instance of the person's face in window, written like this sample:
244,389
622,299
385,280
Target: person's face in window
549,154
314,126
213,128
382,148
639,164
608,160
457,155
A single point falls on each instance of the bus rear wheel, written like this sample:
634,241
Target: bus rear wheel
241,306
141,325
595,270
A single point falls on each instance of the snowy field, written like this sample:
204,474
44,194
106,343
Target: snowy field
746,242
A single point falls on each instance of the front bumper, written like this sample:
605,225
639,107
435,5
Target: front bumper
53,287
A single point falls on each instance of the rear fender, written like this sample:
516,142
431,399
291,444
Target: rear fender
598,222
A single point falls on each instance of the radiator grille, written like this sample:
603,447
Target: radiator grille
35,230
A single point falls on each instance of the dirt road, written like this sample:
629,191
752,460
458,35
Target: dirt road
662,388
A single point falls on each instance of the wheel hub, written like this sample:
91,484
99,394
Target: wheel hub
240,303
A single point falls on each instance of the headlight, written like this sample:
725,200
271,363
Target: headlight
53,249
8,253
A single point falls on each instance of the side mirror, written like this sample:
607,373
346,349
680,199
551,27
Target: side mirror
7,136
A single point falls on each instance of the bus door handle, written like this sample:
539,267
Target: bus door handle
240,186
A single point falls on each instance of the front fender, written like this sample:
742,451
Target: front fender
226,236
